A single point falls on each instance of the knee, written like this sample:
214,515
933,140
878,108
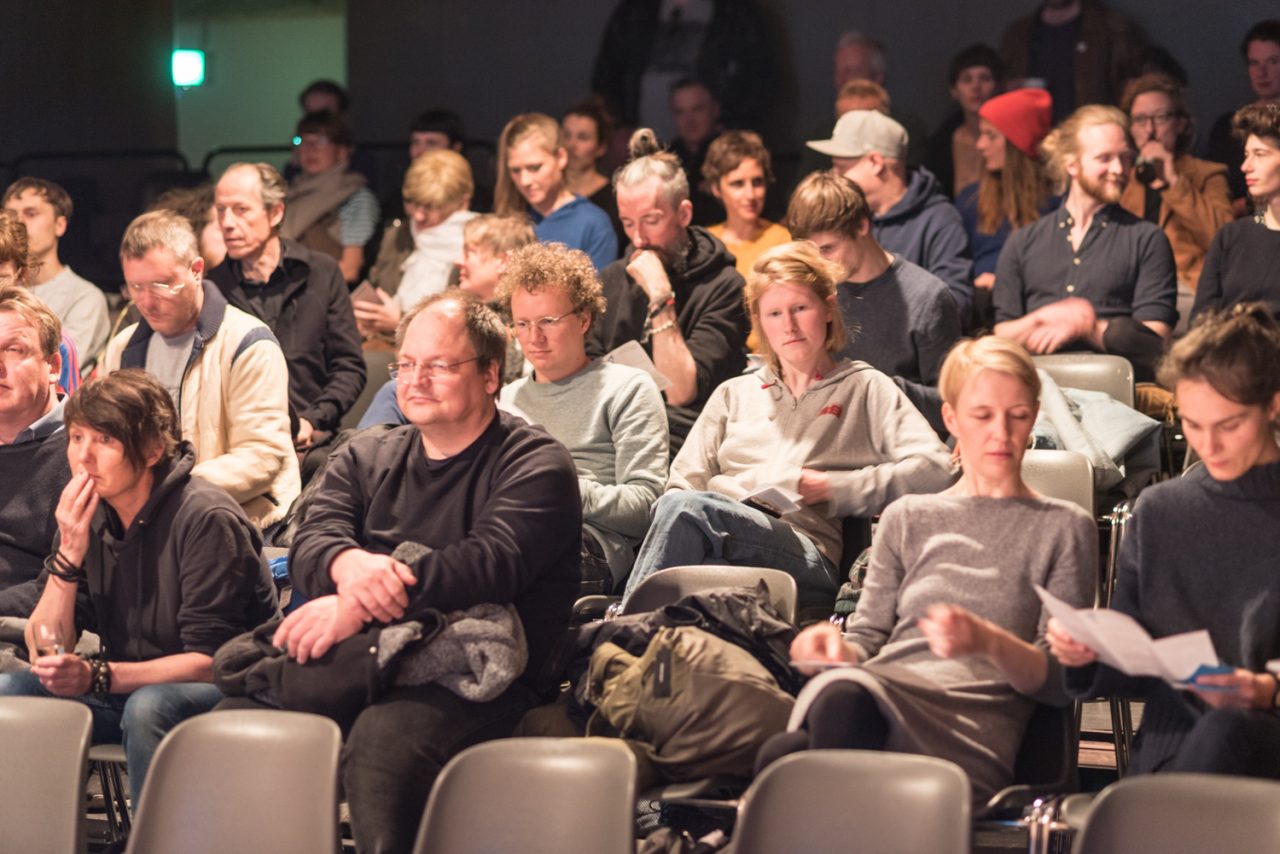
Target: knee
680,503
841,699
22,684
148,707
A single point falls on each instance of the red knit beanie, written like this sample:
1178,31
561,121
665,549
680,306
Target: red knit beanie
1024,116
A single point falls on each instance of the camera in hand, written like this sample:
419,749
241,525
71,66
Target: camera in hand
1146,171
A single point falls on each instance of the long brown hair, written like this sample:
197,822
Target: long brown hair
1016,193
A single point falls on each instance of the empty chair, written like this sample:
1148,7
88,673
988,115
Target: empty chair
669,585
535,796
243,780
1102,372
872,802
43,747
1183,814
1065,475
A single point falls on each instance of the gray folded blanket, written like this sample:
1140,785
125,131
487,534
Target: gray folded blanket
476,654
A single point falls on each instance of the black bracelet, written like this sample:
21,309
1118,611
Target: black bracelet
100,677
58,566
658,308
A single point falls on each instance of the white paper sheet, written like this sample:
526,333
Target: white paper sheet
632,355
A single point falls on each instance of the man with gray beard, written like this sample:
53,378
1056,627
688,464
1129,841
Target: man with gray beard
675,290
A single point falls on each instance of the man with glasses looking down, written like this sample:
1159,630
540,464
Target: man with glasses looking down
222,367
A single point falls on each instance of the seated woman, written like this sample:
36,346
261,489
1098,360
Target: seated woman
418,252
737,171
947,637
1200,553
165,567
531,180
1243,263
588,128
837,432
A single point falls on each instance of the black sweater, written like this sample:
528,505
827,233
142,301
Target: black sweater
1243,265
32,476
502,518
1198,554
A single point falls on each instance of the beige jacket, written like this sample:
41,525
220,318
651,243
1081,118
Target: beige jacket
234,405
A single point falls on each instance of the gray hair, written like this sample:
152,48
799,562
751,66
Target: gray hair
162,229
271,182
648,159
857,38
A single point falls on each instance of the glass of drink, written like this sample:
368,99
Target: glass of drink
49,638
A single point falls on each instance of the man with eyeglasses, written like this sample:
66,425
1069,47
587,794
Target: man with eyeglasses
222,367
464,505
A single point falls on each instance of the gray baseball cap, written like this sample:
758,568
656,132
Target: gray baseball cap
861,132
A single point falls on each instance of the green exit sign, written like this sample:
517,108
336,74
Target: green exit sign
188,67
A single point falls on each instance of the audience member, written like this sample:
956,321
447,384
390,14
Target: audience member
862,94
15,270
436,129
859,57
1187,197
912,216
1199,554
948,635
162,565
609,416
418,252
222,367
531,179
737,171
1260,51
490,506
898,317
1092,274
45,209
1243,263
196,204
974,75
324,96
588,128
696,115
837,433
675,291
299,294
1080,50
33,444
328,208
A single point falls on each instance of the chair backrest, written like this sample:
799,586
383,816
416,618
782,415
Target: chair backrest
1103,372
1183,814
242,780
859,800
377,365
44,744
533,795
669,585
1066,475
1047,756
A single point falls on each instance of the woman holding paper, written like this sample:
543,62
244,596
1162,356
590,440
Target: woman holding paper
1200,553
948,635
837,437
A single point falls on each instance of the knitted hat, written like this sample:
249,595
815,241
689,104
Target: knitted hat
860,132
1024,116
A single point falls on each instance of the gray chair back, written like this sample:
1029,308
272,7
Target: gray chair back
242,780
535,796
377,365
1066,475
1183,814
669,585
44,745
1091,372
872,802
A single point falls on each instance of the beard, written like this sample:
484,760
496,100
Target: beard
675,258
1106,191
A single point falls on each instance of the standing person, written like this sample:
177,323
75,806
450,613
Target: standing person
974,75
948,637
1260,50
588,128
1200,553
532,159
838,432
163,566
1187,197
1243,263
737,171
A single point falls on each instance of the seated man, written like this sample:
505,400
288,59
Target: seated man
609,416
899,318
912,215
675,290
45,209
297,293
1091,275
493,500
695,112
33,444
162,565
221,366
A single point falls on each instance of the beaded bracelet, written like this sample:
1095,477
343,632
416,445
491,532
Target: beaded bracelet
100,673
659,307
670,324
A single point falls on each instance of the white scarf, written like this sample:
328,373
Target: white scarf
426,270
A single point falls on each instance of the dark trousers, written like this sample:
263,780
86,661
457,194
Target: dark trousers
1137,343
843,716
1242,742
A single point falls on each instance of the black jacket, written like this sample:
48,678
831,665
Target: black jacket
187,576
316,330
710,312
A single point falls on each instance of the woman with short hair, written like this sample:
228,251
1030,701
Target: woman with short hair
738,171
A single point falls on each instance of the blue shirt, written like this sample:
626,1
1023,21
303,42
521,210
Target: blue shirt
579,225
43,427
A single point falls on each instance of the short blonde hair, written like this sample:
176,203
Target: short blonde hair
439,179
991,353
1063,142
861,87
555,267
795,263
497,233
160,229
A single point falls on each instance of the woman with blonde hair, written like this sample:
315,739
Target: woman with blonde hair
945,654
837,434
532,159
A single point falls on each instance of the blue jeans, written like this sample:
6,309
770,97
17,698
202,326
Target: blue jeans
698,528
138,720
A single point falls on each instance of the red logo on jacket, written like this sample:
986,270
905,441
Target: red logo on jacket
834,409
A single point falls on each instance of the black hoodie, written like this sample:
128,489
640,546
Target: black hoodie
187,576
710,312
